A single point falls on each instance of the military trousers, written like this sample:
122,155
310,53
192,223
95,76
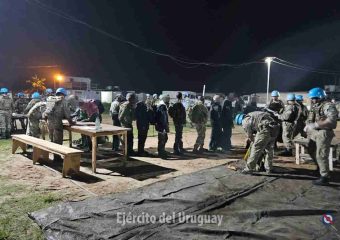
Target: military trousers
178,145
288,134
142,135
200,128
162,140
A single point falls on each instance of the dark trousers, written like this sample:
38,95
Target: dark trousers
178,145
115,138
142,135
130,139
226,138
162,139
215,139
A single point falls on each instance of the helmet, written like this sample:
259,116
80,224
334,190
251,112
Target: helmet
155,96
20,94
200,98
299,98
290,96
48,91
36,95
3,90
275,93
62,91
238,119
317,93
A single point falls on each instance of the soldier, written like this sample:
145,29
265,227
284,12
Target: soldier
199,117
178,114
275,103
6,110
289,118
126,117
143,123
227,123
57,109
35,99
114,112
321,121
216,124
34,117
303,115
265,129
19,106
162,125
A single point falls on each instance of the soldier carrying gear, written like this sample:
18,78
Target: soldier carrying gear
216,124
178,114
199,117
275,103
321,121
35,99
126,116
114,112
265,129
289,118
162,125
6,110
303,115
34,117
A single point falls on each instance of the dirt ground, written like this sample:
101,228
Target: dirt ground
112,177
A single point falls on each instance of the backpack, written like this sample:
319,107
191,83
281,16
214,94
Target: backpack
51,103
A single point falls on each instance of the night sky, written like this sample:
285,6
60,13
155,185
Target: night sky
303,32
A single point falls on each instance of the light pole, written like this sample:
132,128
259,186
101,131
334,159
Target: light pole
59,78
268,60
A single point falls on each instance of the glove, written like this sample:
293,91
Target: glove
310,127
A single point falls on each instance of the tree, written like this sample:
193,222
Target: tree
37,84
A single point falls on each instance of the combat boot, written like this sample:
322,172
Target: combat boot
322,181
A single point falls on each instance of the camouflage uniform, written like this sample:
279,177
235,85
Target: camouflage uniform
126,117
6,110
34,117
320,138
30,105
57,109
301,121
289,117
19,107
266,129
199,116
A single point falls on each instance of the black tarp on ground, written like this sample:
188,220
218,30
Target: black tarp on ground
253,207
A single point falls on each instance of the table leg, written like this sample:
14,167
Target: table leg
70,137
125,149
94,153
330,159
297,153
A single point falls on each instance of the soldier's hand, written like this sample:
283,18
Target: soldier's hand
310,126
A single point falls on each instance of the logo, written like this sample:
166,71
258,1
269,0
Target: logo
327,219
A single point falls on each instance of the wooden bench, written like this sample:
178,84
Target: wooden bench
42,148
302,143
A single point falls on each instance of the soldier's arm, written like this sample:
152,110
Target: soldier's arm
286,114
330,121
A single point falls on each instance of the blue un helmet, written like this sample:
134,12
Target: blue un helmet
62,91
317,93
20,94
291,97
3,90
238,119
36,95
275,93
48,91
299,98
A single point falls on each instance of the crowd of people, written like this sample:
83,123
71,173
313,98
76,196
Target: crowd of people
263,127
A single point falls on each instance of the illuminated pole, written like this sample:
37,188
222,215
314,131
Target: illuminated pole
203,90
268,61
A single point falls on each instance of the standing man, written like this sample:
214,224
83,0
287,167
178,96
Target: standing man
143,123
57,109
126,117
275,103
216,124
321,121
227,123
6,110
178,114
19,106
162,125
289,118
114,112
199,117
34,116
265,129
303,116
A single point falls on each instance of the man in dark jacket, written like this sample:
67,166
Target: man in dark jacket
162,125
178,114
114,112
216,124
143,122
227,123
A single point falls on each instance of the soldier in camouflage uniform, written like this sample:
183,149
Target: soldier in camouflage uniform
303,115
19,107
6,110
162,125
265,129
321,121
126,117
34,115
199,117
178,114
289,118
114,112
275,103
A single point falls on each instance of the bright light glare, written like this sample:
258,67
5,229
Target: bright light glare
59,77
269,60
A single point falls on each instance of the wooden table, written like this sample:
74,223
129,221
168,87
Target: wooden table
89,129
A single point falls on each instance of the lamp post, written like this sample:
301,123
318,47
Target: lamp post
268,60
59,78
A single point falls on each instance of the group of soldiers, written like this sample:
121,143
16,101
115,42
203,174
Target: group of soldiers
317,125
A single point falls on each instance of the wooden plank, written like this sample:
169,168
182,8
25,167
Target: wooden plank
16,144
297,153
330,159
39,154
71,164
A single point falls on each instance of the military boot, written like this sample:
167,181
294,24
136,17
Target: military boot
322,181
